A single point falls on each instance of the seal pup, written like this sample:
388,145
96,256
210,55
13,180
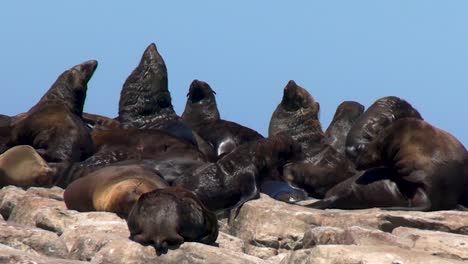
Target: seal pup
145,101
168,217
430,164
379,115
346,114
201,114
22,166
114,188
322,166
233,179
54,126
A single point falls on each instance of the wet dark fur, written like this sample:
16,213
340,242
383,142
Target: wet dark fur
430,164
346,114
322,167
79,194
233,179
379,115
145,101
168,217
54,126
201,113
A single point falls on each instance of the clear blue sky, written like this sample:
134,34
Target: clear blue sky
247,51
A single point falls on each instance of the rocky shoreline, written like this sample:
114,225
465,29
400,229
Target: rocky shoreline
36,226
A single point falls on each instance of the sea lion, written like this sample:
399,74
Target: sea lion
5,130
168,217
127,144
145,101
99,122
233,179
430,165
22,166
379,115
201,114
322,167
114,188
54,126
346,114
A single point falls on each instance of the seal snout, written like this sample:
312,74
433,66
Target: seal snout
199,90
85,70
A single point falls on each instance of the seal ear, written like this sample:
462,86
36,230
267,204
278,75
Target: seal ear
318,106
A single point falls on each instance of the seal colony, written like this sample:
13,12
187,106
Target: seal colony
171,177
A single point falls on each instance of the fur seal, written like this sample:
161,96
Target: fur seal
346,114
201,114
168,217
322,166
379,115
145,101
54,126
114,188
233,179
99,122
430,165
22,166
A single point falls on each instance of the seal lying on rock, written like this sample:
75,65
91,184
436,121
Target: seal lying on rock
233,179
431,165
323,167
169,217
346,114
145,101
54,126
22,166
379,115
114,188
201,113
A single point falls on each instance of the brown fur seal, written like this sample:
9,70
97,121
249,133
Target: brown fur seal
430,165
168,217
54,126
145,101
379,115
233,179
323,166
201,113
22,166
99,122
346,114
114,188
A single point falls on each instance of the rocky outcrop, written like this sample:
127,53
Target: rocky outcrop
37,227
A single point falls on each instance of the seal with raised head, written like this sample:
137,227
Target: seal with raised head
233,179
54,126
22,166
346,114
322,166
114,188
201,114
430,165
379,115
168,217
145,101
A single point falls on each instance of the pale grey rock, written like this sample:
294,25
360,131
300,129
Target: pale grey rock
9,255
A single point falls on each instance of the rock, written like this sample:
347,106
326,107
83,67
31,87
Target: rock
55,192
362,254
435,242
324,235
260,251
126,251
9,197
231,243
84,247
9,255
277,259
32,240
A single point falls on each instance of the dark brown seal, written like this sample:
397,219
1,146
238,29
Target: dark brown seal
233,179
145,101
430,165
346,114
99,122
54,126
201,114
168,217
322,167
22,166
114,188
379,115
